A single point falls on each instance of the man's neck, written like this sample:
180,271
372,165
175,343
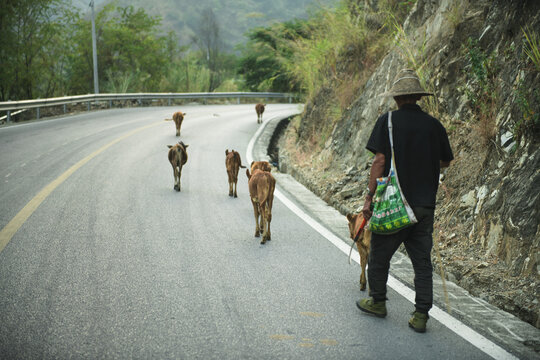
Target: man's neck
401,103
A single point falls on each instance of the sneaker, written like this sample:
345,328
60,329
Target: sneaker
370,306
418,322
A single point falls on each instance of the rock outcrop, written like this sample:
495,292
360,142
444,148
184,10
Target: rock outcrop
487,95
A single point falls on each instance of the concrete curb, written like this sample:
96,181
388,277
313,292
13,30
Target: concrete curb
504,329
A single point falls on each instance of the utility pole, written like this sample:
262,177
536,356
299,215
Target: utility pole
94,50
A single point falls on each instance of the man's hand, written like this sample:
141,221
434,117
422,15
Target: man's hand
366,210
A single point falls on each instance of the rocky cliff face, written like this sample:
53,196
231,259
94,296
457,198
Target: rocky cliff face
471,55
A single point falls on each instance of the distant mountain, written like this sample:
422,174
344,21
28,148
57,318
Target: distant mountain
235,17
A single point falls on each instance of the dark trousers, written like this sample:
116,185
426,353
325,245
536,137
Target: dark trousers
418,242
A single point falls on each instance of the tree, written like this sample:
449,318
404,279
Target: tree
209,42
268,50
132,56
32,47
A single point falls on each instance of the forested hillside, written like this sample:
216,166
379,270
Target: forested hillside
158,46
234,18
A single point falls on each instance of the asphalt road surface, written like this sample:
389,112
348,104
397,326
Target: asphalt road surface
102,258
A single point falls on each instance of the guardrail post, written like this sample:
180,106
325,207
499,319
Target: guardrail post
290,99
110,104
238,100
37,113
169,101
64,108
88,105
8,116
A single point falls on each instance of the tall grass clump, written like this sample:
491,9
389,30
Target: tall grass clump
118,83
532,47
333,63
395,11
321,66
316,60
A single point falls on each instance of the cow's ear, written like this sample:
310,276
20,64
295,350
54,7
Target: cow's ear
185,114
169,146
185,146
227,152
349,217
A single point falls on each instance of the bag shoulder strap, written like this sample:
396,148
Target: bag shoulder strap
393,163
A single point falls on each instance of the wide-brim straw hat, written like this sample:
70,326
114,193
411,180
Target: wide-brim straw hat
406,82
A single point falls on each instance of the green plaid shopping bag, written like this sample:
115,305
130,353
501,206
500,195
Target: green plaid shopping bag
391,212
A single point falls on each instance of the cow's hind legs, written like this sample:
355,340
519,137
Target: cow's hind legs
264,225
256,213
175,173
269,219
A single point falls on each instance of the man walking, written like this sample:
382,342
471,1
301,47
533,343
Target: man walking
421,149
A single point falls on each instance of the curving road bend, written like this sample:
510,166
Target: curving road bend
111,262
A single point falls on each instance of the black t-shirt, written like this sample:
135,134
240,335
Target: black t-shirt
420,143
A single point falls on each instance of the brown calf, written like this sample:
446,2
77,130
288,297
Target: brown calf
259,108
178,117
233,163
177,157
363,239
261,191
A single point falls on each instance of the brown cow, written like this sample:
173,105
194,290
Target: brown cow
261,190
177,157
363,241
178,117
259,108
233,163
261,165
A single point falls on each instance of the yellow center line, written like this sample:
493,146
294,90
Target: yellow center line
15,224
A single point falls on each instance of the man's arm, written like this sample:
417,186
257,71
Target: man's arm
377,170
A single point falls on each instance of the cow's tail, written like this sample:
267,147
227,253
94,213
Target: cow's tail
239,159
248,174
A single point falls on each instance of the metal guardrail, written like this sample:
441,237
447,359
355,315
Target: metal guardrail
10,106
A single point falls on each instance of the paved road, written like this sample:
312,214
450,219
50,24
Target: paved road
106,260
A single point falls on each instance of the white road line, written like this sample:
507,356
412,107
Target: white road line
464,331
